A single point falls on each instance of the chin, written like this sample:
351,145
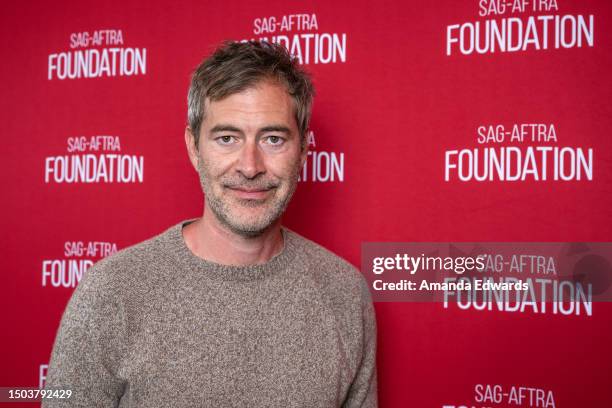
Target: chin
249,231
249,224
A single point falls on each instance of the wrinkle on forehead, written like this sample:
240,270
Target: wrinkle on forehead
265,101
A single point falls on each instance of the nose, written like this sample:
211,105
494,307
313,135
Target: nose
250,161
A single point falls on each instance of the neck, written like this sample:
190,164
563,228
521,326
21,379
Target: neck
207,238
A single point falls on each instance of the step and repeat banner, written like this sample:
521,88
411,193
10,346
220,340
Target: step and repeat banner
442,121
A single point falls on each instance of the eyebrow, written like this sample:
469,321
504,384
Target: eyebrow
275,128
225,128
229,128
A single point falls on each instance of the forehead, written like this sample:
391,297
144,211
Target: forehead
267,102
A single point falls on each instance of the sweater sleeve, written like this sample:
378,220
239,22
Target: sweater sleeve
87,348
363,390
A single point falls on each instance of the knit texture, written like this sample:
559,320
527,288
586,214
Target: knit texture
156,326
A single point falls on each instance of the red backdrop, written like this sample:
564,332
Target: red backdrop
405,91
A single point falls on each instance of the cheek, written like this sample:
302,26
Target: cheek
285,165
285,170
213,166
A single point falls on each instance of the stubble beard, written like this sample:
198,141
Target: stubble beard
223,209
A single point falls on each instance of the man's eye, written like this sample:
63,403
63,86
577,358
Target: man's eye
275,140
225,140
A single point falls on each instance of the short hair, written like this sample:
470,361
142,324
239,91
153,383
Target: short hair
236,66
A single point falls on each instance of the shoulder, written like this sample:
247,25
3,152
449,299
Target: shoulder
316,254
341,287
323,265
129,265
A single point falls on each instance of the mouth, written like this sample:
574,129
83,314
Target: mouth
246,193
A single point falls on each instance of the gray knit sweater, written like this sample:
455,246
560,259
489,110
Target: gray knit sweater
156,326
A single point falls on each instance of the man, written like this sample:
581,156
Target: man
230,309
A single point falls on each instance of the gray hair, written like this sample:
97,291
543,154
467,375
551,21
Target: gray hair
236,66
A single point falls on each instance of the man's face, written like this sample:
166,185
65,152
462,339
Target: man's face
249,157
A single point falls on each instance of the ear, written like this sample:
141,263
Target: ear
304,152
192,150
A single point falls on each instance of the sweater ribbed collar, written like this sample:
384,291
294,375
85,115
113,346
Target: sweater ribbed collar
188,259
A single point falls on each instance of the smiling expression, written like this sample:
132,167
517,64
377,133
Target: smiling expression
249,157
